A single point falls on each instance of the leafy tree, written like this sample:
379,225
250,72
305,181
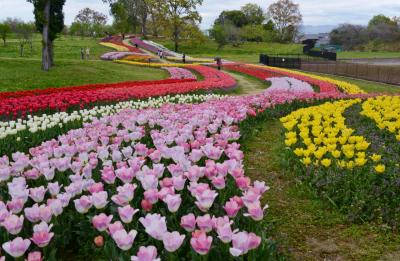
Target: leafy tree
226,33
253,32
90,22
254,14
349,36
219,34
49,20
381,19
287,19
178,14
5,29
121,22
235,17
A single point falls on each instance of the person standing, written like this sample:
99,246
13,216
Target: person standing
82,54
161,54
219,63
88,53
184,58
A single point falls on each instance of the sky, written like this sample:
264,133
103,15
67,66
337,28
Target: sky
315,12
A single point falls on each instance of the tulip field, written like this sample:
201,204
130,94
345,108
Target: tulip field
154,170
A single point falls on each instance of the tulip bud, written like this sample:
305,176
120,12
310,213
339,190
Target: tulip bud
146,205
99,241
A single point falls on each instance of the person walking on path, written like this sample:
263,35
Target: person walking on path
161,54
184,58
88,53
219,63
82,54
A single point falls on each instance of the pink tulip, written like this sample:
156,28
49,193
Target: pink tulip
99,199
255,211
101,222
205,200
34,256
41,234
17,247
172,241
146,254
173,202
123,239
126,213
200,242
205,223
188,222
96,187
179,182
125,174
243,183
232,208
37,194
4,213
107,175
125,194
154,225
223,229
13,224
151,195
112,228
45,213
54,188
16,205
83,204
243,242
56,206
33,213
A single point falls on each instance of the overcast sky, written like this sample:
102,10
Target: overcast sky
315,12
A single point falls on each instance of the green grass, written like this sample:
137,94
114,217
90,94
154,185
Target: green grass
361,55
25,74
368,86
65,47
305,226
248,52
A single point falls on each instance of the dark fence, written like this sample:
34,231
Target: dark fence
377,73
331,56
281,61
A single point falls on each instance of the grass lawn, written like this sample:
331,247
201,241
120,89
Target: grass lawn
65,47
305,226
360,55
248,52
367,86
26,74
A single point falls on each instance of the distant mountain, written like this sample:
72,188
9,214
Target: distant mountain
317,29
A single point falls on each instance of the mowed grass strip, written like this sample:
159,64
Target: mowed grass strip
25,74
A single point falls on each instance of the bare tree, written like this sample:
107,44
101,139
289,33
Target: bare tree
287,19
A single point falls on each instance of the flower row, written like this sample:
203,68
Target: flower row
14,107
287,84
179,73
319,136
40,123
120,55
156,65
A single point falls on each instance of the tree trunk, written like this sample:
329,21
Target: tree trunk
176,38
144,25
51,48
46,57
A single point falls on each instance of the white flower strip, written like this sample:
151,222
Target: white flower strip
47,121
289,84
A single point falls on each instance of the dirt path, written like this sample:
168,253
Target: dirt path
304,226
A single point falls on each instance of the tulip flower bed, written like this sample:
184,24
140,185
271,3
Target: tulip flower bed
325,83
141,58
72,99
256,72
289,85
346,151
165,182
115,55
179,73
22,134
156,65
147,46
189,59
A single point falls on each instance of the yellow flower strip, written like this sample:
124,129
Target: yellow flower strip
156,65
119,48
344,86
385,111
319,136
